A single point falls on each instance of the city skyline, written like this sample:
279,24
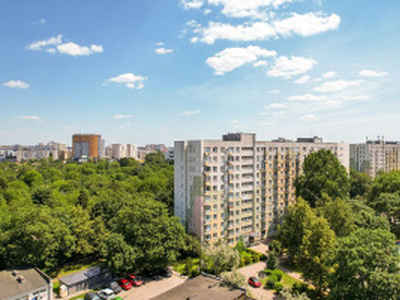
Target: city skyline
139,72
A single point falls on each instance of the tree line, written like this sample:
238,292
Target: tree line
341,233
117,213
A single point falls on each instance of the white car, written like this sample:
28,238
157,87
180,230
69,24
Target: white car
106,294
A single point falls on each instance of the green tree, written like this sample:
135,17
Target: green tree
221,258
367,264
296,222
314,255
385,183
322,173
339,215
388,205
121,258
365,216
360,183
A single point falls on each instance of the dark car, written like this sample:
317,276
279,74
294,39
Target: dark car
166,273
92,296
115,287
253,281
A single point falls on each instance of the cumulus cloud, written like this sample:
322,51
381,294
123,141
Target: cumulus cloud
192,4
163,50
303,79
241,9
233,58
371,73
40,45
130,80
16,84
309,118
308,97
302,25
191,112
277,105
122,116
77,50
287,67
337,85
56,44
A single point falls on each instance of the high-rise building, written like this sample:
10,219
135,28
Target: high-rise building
238,186
87,146
375,156
119,151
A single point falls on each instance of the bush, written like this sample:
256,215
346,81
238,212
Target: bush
276,247
264,273
299,288
272,262
194,272
278,287
278,273
272,279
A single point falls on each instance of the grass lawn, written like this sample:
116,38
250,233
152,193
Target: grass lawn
79,296
288,281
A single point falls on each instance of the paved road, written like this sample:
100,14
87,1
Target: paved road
153,288
259,293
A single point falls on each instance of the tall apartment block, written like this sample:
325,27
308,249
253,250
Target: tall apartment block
123,150
238,186
87,146
375,156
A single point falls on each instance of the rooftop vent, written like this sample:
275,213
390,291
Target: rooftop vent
20,279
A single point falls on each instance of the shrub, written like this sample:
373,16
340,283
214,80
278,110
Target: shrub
272,279
278,273
272,262
278,287
299,288
194,272
276,247
264,273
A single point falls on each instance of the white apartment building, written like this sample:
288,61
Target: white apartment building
376,156
238,186
119,151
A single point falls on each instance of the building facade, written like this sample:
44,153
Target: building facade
86,146
373,157
239,187
25,284
119,151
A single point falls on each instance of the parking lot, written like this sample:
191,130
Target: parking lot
153,288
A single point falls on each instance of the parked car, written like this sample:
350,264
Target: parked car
125,284
253,281
135,281
106,294
92,296
115,287
166,273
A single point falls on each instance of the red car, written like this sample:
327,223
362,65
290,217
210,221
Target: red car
125,284
134,281
253,281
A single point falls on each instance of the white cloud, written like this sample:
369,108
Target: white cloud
191,112
42,21
274,92
233,58
287,67
192,4
130,80
372,73
309,118
160,44
328,75
260,63
338,85
77,50
277,105
54,44
16,84
357,98
163,51
34,118
246,8
39,45
122,116
303,25
308,97
303,79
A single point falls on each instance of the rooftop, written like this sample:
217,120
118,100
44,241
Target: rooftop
202,288
21,281
80,276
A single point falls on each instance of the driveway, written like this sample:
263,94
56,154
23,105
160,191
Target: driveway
153,288
258,293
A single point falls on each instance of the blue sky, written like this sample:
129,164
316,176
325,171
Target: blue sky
142,71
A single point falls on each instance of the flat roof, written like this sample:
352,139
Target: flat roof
80,276
10,286
202,288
